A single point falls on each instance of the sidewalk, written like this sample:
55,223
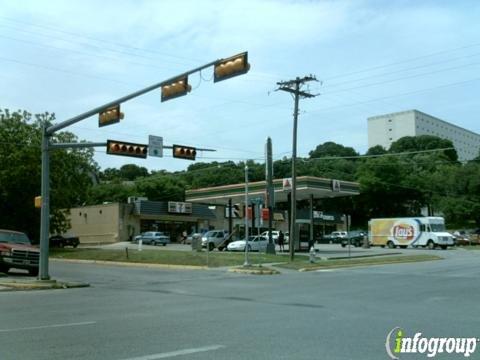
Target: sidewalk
20,282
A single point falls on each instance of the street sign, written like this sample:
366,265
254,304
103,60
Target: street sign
287,184
155,146
257,201
336,185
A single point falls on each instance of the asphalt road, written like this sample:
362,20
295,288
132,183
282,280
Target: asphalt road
145,314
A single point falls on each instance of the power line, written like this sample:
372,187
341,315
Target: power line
49,28
404,70
402,61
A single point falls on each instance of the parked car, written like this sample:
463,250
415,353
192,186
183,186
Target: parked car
255,243
16,251
62,241
461,238
215,239
354,238
335,237
191,237
153,238
275,234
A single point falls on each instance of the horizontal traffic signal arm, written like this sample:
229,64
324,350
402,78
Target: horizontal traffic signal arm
123,148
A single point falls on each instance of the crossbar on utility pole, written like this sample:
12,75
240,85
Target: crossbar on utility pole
293,86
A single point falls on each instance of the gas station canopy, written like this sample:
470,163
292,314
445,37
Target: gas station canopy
307,186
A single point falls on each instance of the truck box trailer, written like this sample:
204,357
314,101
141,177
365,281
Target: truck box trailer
413,231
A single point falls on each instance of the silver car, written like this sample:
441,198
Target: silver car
154,238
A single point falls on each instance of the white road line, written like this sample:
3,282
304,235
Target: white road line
49,326
178,353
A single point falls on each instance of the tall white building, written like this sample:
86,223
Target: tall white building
385,129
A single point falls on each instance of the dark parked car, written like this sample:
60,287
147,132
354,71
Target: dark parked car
62,241
355,238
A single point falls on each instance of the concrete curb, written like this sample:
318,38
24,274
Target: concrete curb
34,284
132,264
259,271
347,266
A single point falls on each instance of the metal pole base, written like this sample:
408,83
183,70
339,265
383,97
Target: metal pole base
270,249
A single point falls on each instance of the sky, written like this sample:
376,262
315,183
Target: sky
369,57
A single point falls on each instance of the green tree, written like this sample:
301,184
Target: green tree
114,191
376,150
332,149
20,173
424,142
160,187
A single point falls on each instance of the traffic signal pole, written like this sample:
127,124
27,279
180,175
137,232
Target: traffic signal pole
293,86
47,133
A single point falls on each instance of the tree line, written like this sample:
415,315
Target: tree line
415,173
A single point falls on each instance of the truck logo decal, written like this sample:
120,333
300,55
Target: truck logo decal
403,232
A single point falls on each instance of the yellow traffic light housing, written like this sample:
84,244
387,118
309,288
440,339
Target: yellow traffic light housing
177,88
110,116
184,152
233,66
123,148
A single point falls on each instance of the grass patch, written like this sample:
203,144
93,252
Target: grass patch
469,247
221,259
328,264
190,258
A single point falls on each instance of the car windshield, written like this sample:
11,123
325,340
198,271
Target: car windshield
437,227
14,238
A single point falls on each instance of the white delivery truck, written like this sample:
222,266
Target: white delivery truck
412,231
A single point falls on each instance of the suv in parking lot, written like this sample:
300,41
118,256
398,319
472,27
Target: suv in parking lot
17,252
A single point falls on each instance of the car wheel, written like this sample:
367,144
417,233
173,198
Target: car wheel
343,245
391,245
164,244
211,246
430,244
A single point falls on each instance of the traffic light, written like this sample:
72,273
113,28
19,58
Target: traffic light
123,148
110,116
184,152
233,66
177,88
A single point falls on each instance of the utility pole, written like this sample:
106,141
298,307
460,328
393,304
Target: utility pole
294,87
270,192
246,263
